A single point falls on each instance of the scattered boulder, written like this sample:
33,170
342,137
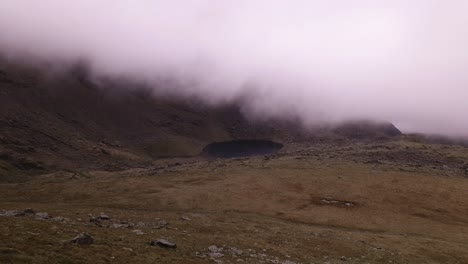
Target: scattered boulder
162,224
185,218
119,226
97,220
140,224
335,202
236,251
42,216
26,212
83,239
163,243
8,213
103,216
214,248
30,212
215,252
57,219
123,224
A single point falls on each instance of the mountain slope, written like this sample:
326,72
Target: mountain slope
51,118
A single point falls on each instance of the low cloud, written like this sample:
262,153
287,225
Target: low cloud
321,60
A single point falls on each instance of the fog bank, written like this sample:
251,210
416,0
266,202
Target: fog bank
322,60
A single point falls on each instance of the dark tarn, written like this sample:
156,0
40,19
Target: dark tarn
241,148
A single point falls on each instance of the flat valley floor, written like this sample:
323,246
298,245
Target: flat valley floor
350,202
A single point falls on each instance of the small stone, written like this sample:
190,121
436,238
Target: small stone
138,232
43,216
185,218
343,258
125,224
236,251
140,224
83,239
9,213
163,243
57,219
162,224
119,226
214,248
103,216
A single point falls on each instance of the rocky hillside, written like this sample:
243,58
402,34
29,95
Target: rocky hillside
51,118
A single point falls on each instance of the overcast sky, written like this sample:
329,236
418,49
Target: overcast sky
404,61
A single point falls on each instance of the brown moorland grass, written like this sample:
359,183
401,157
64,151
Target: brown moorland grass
401,210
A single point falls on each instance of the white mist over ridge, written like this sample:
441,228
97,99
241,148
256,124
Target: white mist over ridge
324,60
